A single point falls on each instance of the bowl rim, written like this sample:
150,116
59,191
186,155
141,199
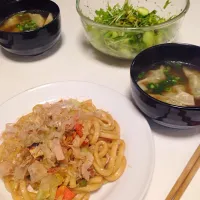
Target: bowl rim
133,80
36,30
146,28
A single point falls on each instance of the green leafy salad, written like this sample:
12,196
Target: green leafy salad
126,43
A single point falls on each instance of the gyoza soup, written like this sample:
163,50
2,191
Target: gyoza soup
172,82
26,21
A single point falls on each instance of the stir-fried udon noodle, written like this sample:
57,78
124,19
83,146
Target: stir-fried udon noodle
61,151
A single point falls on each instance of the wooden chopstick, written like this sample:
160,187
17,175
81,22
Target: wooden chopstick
187,180
186,177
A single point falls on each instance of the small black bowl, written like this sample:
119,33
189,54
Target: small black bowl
163,113
32,42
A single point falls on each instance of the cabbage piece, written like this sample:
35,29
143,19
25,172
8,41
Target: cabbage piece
49,186
49,156
86,165
32,138
57,149
44,191
20,173
31,190
37,171
194,81
52,193
36,151
87,158
77,142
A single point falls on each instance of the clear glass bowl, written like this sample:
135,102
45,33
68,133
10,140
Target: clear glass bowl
103,37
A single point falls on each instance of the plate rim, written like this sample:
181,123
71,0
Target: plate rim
151,136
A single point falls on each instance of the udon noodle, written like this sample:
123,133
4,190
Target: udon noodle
61,151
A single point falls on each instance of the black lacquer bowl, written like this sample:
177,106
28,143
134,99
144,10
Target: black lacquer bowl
163,113
32,42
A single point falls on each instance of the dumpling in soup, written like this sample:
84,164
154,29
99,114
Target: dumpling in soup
49,19
153,76
11,22
177,96
194,81
37,18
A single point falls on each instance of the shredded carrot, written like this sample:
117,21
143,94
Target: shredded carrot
68,194
64,193
79,129
52,170
86,141
60,192
74,135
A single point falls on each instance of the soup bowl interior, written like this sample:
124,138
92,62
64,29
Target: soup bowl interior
24,5
30,42
163,113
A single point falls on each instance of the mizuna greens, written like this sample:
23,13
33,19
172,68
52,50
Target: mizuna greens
124,43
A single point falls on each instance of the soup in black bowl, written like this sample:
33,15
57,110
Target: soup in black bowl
26,21
171,82
29,27
166,84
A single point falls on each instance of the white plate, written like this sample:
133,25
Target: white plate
134,130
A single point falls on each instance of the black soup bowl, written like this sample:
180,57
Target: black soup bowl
160,112
31,42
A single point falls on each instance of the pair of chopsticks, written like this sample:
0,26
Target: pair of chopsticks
186,177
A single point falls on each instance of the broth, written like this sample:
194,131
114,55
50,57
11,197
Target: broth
26,21
172,82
